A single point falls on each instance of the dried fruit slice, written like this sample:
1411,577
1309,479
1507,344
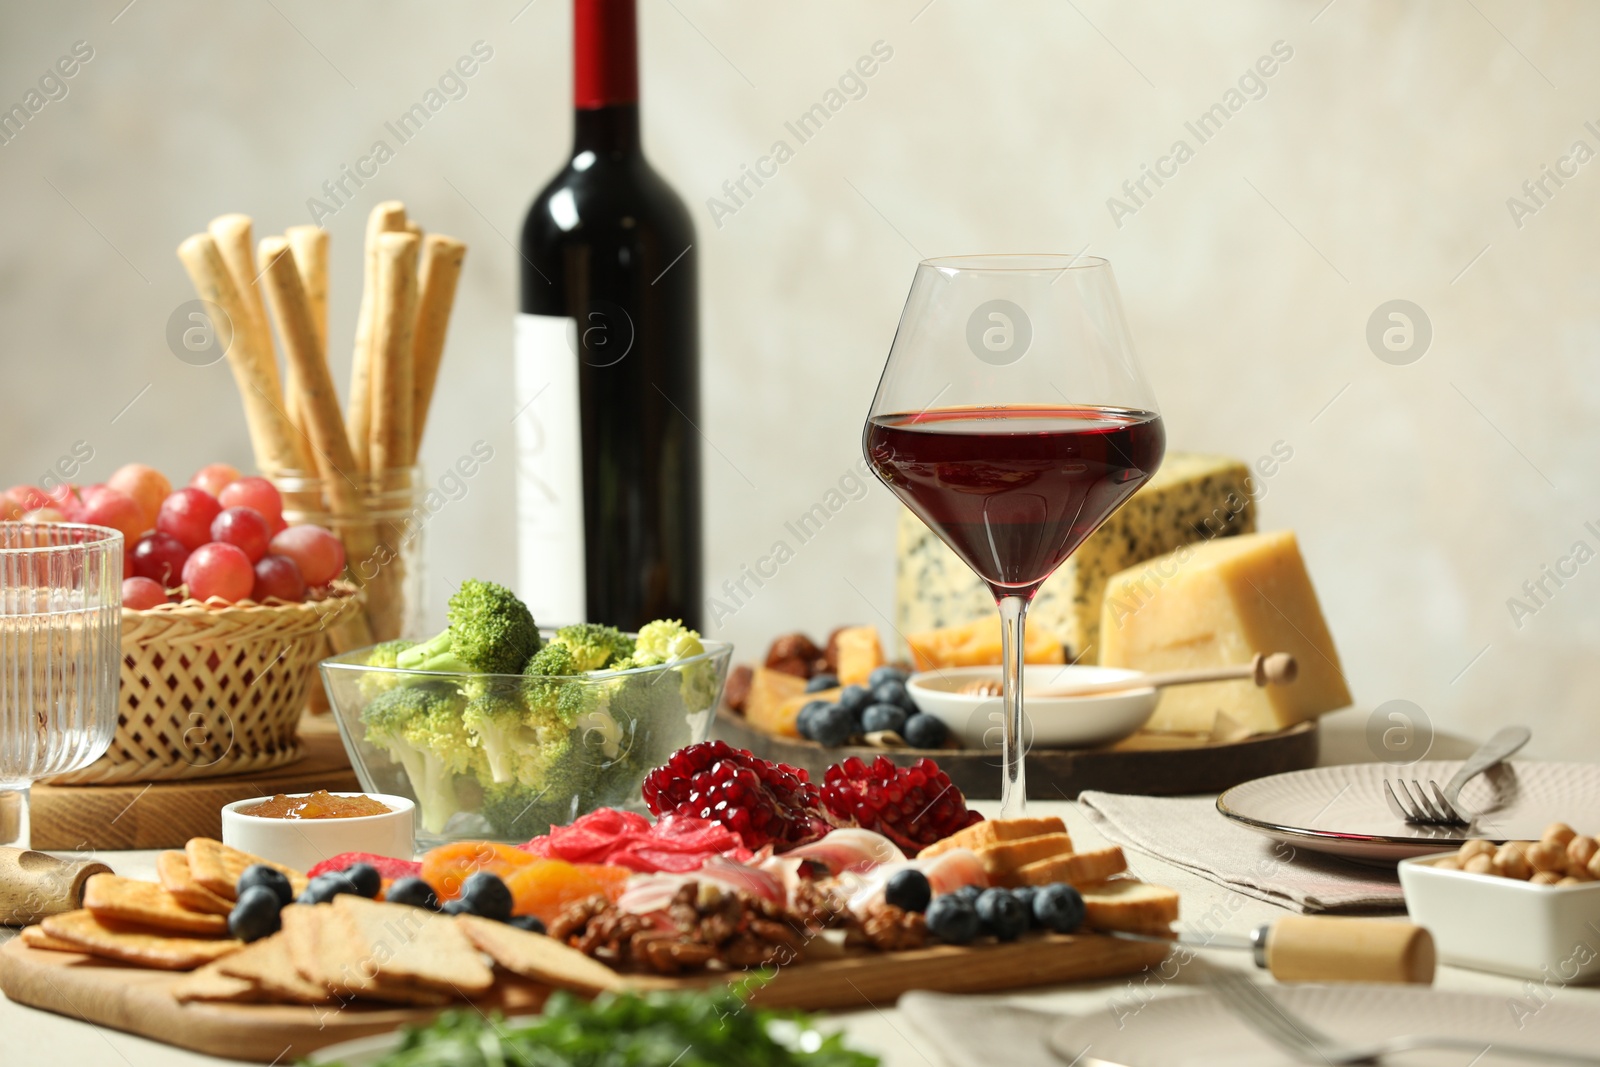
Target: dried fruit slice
447,866
545,887
912,806
764,803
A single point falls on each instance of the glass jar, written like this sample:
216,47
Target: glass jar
384,549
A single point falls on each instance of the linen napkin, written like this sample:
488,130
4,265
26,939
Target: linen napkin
1190,833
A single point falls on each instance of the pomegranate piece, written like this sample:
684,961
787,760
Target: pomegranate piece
764,803
912,806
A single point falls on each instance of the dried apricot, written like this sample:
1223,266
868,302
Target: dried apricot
545,887
447,866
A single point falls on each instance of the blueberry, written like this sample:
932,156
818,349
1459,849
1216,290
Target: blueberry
855,697
1001,914
953,919
1025,895
531,923
457,907
908,889
893,692
366,879
413,891
259,874
1058,907
805,721
487,895
819,682
968,893
887,673
924,731
833,726
884,717
324,887
255,915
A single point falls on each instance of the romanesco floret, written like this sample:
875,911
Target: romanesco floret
490,632
595,646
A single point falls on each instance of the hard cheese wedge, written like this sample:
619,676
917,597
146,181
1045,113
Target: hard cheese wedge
1191,498
1219,604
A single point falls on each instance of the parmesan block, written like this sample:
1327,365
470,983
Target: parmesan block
1219,604
1191,498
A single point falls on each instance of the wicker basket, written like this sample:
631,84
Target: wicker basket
210,689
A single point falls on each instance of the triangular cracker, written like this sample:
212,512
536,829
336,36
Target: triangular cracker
538,957
209,983
415,946
327,952
268,965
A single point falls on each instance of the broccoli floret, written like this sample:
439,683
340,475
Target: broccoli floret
547,688
518,744
518,812
421,728
490,632
385,655
667,641
594,646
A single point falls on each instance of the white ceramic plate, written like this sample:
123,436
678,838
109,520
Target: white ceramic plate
1187,1030
1052,722
1343,810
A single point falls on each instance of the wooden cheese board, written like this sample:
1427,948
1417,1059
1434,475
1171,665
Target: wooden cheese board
166,814
141,1001
1154,764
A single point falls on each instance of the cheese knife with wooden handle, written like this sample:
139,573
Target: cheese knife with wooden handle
36,884
1314,948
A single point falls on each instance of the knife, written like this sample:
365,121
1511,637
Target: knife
1309,948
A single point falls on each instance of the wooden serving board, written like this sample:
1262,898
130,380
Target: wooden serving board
1152,764
167,814
141,1002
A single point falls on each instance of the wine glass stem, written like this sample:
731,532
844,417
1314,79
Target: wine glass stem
1013,784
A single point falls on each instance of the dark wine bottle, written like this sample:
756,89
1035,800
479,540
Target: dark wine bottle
607,354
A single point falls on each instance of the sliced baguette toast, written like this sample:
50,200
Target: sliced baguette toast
1004,857
1077,868
1130,906
993,831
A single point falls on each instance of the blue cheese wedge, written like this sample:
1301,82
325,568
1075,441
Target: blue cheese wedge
1192,498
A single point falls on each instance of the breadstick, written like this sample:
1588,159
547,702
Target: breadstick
310,247
336,463
232,234
272,436
436,296
394,326
386,217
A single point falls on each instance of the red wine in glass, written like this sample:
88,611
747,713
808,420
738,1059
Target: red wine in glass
1014,489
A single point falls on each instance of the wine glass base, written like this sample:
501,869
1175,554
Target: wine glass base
14,818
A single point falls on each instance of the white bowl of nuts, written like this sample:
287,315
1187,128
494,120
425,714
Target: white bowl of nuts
1524,908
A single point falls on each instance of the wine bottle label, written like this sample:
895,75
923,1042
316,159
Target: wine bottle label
550,570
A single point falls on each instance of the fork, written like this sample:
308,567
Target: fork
1253,1006
1413,804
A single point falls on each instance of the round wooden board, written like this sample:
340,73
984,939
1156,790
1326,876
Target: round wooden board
1146,763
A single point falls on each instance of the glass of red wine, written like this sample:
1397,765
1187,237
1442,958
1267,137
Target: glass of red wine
1013,419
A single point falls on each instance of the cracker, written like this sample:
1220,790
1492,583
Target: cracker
211,983
146,904
268,966
413,946
541,958
993,831
35,937
217,867
172,868
114,941
1078,868
327,952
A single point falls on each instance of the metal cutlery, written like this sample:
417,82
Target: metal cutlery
1411,802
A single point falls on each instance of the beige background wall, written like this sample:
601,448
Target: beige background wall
1375,164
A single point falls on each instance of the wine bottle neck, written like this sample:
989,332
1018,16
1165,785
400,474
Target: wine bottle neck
605,76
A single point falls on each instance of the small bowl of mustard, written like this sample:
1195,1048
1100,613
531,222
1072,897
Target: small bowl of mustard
301,830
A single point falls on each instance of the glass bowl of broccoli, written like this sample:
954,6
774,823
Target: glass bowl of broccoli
499,729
